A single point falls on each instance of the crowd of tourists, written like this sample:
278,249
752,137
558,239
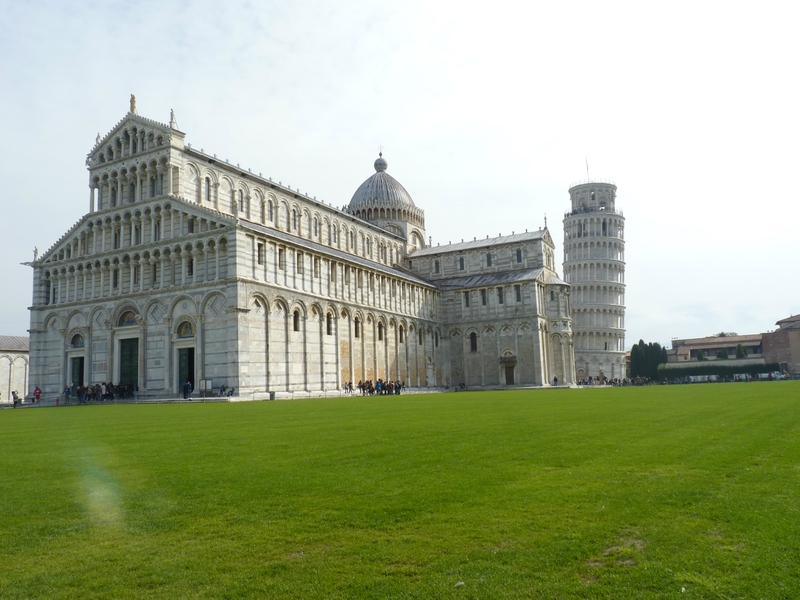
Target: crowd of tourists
101,392
616,381
380,387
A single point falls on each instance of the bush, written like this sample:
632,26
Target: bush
714,368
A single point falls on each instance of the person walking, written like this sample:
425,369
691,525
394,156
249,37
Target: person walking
37,395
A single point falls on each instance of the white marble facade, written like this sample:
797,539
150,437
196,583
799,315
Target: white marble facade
594,266
186,267
13,367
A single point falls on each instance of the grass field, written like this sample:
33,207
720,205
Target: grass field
602,493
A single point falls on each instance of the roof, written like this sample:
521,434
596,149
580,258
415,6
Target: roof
381,190
717,342
336,253
487,243
489,279
14,343
792,322
555,280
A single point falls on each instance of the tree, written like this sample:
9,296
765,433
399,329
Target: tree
645,359
741,352
636,359
700,355
723,354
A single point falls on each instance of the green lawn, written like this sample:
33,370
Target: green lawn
602,493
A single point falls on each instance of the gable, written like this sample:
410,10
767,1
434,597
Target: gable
132,135
70,245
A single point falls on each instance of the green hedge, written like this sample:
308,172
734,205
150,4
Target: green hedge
712,368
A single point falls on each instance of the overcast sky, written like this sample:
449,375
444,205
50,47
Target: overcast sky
487,113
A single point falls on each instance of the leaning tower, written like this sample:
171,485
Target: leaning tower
594,266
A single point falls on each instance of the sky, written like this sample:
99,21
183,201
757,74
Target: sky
486,113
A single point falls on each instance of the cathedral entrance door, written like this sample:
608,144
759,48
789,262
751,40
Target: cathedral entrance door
186,367
509,375
76,371
129,361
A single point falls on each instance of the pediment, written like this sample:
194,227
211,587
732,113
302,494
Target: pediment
133,134
67,242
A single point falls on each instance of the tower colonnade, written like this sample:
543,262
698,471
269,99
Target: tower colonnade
594,266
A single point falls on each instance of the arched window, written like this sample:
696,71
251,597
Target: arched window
77,341
421,337
269,211
488,259
113,196
329,324
208,190
436,339
357,327
296,320
294,219
241,201
473,342
402,334
380,332
461,263
552,295
316,227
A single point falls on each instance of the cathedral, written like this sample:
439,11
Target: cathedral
187,268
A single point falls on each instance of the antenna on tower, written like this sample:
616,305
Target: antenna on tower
587,167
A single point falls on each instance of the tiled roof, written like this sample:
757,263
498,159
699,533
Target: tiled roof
719,342
14,343
556,280
488,279
462,246
792,322
337,254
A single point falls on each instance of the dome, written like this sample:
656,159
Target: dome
381,191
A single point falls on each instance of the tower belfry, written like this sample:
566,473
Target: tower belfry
594,266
